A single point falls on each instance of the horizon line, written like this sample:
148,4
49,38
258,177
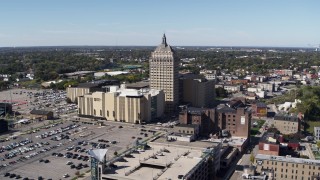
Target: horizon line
237,46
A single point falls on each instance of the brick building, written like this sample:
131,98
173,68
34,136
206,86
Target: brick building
235,120
205,118
269,144
259,109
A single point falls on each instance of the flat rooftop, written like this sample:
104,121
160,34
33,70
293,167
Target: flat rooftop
194,144
269,137
234,141
287,159
155,161
138,85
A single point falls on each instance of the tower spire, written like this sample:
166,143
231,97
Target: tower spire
164,39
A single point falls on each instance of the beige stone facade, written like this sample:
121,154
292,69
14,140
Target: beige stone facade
287,124
74,92
84,88
124,105
164,74
288,168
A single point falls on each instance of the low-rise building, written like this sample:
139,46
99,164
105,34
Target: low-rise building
78,74
269,144
164,160
239,81
259,109
286,167
283,72
270,87
233,88
317,133
41,114
287,124
184,132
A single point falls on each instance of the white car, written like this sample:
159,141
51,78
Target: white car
66,175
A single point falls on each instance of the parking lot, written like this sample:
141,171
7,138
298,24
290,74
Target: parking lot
44,148
59,144
24,100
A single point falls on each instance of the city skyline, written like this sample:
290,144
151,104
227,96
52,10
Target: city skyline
141,23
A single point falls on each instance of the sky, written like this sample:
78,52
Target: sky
280,23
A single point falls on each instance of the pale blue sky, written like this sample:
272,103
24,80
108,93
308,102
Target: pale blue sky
142,22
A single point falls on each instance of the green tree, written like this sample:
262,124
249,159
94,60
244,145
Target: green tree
115,153
221,92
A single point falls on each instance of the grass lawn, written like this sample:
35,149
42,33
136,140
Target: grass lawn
255,130
311,124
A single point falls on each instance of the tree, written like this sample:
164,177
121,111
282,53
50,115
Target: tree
77,173
221,92
68,100
318,144
115,153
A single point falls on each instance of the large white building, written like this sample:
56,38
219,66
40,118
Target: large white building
164,74
124,105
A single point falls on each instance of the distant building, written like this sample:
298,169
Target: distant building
259,109
287,124
41,114
115,73
266,87
78,74
210,76
233,88
164,68
283,72
197,91
239,81
269,144
286,167
317,133
124,105
84,88
48,83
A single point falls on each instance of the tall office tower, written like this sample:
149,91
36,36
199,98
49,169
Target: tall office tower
164,74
